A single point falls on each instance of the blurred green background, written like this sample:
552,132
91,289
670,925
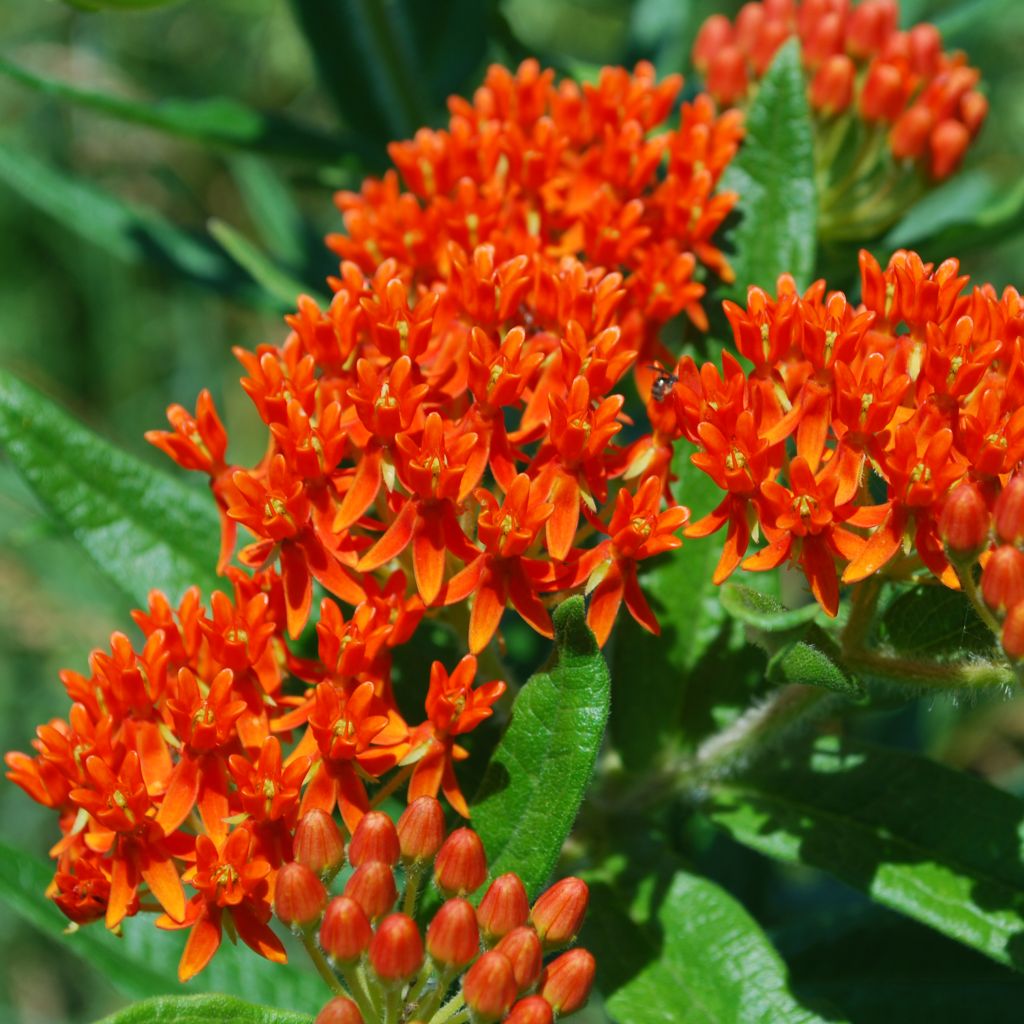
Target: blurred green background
95,310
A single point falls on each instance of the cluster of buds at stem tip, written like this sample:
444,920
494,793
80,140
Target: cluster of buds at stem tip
985,524
486,961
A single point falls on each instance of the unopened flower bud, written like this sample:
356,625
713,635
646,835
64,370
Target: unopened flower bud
871,22
339,1010
1013,632
909,136
421,830
832,85
489,987
1002,580
375,839
461,864
883,94
558,913
505,906
526,955
925,49
345,934
319,843
567,981
396,950
949,141
453,938
373,887
973,110
824,41
1009,512
531,1010
715,33
964,522
727,75
299,896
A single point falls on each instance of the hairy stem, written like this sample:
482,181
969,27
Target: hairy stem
320,962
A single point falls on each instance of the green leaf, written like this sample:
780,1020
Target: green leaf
774,177
277,283
935,844
127,232
539,771
763,611
202,1010
812,660
678,947
144,528
144,961
934,622
217,121
119,5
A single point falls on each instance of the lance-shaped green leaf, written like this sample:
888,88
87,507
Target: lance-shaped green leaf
935,844
217,121
764,611
774,176
539,771
130,233
678,947
144,528
202,1010
143,962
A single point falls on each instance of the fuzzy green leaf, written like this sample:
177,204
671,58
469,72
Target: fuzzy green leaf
143,962
202,1010
678,947
935,844
812,661
774,177
934,622
218,121
763,611
539,771
144,528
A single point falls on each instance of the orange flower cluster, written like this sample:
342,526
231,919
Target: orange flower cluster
843,440
454,410
494,952
855,57
176,763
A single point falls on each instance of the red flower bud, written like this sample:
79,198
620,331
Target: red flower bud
925,49
715,33
421,829
453,938
531,1010
884,92
1002,580
525,953
505,906
824,41
964,521
832,85
339,1010
870,25
299,896
1009,512
973,110
558,913
909,136
461,864
489,987
1013,632
375,839
727,75
396,951
567,981
319,843
345,934
373,888
949,142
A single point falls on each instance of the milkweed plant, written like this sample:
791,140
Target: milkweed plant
618,473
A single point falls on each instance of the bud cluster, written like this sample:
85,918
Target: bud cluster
488,958
869,84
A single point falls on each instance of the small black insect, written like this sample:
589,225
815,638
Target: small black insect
663,383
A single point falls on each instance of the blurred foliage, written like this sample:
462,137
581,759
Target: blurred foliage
99,215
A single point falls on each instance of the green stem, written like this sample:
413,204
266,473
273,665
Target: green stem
965,574
320,962
395,782
449,1010
433,1000
413,877
974,675
357,987
393,1006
